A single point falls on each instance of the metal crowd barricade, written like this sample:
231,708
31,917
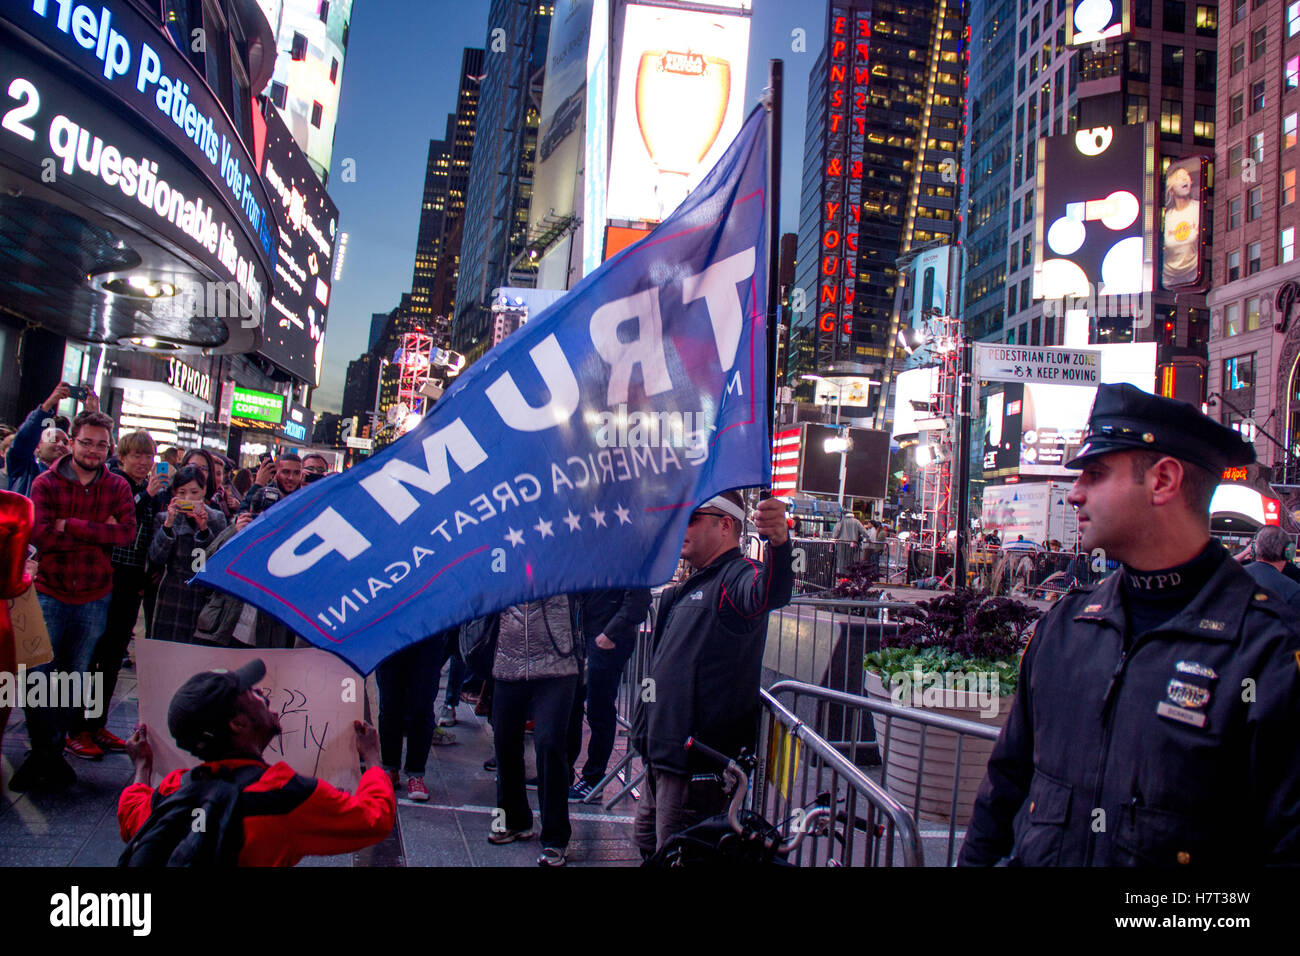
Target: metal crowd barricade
798,768
951,737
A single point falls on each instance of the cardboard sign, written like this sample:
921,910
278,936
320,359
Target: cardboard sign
316,696
31,639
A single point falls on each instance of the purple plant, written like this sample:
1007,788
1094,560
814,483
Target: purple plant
968,623
855,581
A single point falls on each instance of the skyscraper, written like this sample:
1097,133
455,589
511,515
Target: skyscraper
990,105
494,246
446,182
884,127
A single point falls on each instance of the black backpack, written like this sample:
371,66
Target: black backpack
171,836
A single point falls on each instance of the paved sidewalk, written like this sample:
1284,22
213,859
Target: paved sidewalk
78,826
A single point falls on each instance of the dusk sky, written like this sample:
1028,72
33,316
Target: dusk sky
399,84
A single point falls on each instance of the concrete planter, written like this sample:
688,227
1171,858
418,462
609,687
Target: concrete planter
902,758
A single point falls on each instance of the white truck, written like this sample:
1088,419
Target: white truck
1037,510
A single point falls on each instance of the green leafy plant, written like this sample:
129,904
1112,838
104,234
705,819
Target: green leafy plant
961,631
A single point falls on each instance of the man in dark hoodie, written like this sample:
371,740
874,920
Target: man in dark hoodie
83,511
705,663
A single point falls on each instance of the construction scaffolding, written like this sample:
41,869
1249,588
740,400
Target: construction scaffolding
413,361
936,473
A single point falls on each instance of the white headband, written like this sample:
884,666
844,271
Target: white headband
725,504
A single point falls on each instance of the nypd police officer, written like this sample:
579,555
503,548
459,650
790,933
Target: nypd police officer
1157,721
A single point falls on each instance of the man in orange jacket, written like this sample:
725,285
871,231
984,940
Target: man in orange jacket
220,717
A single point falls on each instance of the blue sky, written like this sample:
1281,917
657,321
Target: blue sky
399,84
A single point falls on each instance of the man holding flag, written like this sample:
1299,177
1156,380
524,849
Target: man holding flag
570,458
705,664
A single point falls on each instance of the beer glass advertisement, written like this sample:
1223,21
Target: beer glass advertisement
680,102
1181,231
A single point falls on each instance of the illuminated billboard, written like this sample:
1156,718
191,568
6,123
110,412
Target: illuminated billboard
1093,232
1182,241
680,102
866,474
294,330
255,406
1093,21
1054,418
848,75
311,41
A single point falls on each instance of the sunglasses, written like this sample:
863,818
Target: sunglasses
706,514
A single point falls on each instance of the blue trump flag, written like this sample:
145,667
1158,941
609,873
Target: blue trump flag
568,459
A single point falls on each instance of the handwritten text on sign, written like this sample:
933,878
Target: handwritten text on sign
1018,363
315,695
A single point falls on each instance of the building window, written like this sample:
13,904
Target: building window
1253,262
1256,97
1232,319
1293,19
1021,337
1237,61
1206,69
1293,73
334,70
1175,16
1288,130
1203,130
1236,108
317,113
1257,147
1207,21
1234,266
1234,212
1139,59
1252,314
1257,43
1171,117
1234,161
1024,295
1171,66
1136,110
1288,187
1288,244
1255,204
1239,372
1238,11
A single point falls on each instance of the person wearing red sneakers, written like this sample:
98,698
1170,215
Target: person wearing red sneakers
82,511
408,691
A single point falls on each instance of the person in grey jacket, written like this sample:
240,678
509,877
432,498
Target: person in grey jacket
537,670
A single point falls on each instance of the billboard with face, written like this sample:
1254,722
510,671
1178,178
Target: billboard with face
680,103
1093,232
1182,236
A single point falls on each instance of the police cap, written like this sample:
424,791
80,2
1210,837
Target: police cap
1125,418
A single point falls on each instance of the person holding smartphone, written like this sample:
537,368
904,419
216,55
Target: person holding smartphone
39,442
187,524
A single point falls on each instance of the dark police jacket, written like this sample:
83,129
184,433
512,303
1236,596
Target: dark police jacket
1182,750
706,659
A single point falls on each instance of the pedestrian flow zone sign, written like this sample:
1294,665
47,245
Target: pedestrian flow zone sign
1051,365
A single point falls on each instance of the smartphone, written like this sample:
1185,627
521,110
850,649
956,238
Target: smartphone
79,392
162,468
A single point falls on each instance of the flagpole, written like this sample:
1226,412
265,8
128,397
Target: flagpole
775,82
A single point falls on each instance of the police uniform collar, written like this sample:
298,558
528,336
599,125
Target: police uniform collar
1214,613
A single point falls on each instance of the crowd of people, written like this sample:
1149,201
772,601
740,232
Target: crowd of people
120,528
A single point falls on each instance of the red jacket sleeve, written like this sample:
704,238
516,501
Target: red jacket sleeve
335,821
136,803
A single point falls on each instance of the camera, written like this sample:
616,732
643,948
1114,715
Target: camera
185,505
269,496
79,392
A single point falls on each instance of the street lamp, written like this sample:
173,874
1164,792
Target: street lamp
840,444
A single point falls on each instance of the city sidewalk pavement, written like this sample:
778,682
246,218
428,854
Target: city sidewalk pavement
78,826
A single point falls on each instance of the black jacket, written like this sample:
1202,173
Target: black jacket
706,660
618,614
1087,772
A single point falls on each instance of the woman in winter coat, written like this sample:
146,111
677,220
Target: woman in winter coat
186,524
536,671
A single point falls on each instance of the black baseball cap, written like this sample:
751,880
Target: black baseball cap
201,709
1125,418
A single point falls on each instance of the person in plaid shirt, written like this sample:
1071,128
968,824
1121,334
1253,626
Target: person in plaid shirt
83,511
135,459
